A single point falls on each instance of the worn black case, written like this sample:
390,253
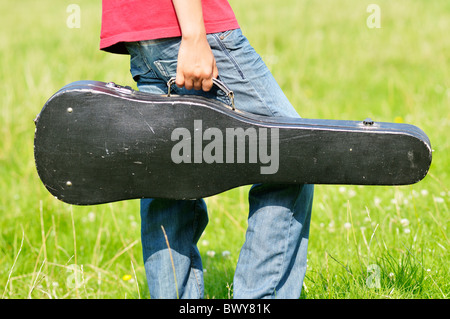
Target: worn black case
99,142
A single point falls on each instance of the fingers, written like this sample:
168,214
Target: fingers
196,64
197,82
179,79
196,78
208,83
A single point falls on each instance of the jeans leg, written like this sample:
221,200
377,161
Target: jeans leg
272,261
183,222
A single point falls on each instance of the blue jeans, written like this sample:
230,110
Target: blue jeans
272,261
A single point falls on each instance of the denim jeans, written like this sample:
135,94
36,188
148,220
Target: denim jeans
272,261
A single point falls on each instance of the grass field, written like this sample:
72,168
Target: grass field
365,242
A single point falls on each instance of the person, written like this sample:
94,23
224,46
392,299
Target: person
196,41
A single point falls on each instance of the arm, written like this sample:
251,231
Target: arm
196,64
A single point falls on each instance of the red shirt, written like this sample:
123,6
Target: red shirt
139,20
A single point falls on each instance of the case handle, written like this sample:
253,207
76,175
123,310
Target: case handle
216,82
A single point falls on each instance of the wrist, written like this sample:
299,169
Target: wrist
193,34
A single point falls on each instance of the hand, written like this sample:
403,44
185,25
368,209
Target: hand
196,64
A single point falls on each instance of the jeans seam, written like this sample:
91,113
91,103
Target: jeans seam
262,99
291,217
224,49
280,272
232,59
197,281
192,253
144,57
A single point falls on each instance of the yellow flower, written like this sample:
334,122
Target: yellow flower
126,277
398,119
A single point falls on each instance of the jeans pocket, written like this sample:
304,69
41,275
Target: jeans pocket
223,35
138,67
231,39
166,68
229,43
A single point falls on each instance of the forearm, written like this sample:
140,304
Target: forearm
190,18
196,64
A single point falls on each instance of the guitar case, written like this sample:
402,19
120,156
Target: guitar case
99,142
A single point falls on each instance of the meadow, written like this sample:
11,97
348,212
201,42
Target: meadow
365,241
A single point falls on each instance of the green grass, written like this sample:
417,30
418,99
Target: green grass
330,65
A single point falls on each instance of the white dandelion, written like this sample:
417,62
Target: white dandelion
91,216
404,222
205,242
351,193
377,201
